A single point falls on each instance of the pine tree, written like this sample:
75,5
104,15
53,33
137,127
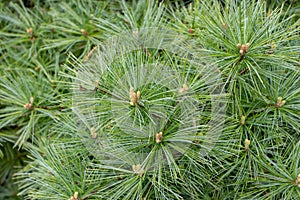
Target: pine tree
149,100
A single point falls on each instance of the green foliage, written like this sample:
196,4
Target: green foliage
82,119
56,172
28,102
11,161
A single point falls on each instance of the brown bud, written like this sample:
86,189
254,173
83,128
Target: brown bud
242,52
29,31
37,68
134,97
52,84
127,22
76,195
297,181
224,26
137,169
247,144
190,30
93,133
158,137
243,48
135,33
183,89
83,31
28,106
243,119
138,95
280,102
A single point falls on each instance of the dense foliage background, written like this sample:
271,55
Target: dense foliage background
254,44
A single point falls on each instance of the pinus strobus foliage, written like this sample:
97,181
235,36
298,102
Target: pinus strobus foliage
149,99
